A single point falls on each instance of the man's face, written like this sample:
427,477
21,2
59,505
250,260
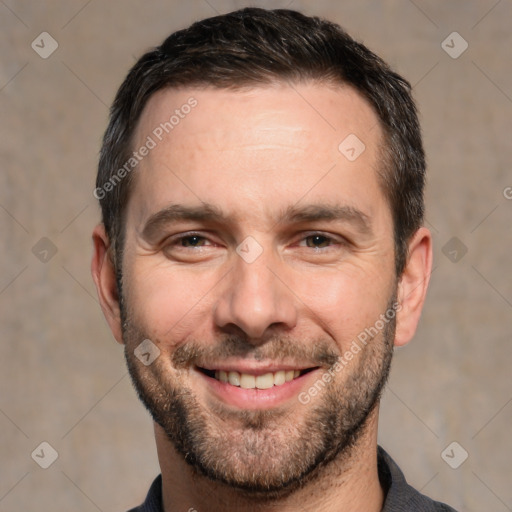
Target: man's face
257,251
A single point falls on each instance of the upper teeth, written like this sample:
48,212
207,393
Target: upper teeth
247,381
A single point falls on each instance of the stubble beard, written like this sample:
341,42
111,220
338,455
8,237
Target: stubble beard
265,454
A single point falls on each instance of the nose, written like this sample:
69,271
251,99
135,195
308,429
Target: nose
256,298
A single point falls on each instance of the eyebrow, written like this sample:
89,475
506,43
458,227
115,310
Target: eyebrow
294,214
180,212
326,212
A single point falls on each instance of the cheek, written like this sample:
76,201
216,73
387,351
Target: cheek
345,303
169,303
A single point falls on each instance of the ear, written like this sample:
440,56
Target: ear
412,286
104,276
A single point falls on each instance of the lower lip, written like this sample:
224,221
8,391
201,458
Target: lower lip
257,398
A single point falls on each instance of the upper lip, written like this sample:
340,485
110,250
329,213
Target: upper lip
254,367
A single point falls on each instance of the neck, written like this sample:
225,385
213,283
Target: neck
349,482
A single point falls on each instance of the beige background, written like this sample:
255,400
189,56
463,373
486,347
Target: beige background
62,376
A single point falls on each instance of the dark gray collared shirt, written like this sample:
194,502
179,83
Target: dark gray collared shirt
400,496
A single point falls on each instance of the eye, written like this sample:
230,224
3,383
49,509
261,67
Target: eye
190,247
187,241
191,240
319,241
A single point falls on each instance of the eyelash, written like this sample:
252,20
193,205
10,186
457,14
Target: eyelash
176,240
332,241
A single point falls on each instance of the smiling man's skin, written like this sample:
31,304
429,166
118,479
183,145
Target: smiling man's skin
257,157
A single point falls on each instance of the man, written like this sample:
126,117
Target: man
261,251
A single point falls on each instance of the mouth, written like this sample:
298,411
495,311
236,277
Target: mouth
256,380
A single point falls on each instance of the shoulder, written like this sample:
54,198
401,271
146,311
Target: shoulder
153,501
401,497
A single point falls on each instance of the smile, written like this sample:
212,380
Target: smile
250,381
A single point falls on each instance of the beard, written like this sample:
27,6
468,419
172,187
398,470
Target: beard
264,454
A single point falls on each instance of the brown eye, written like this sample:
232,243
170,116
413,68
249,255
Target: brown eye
318,241
192,241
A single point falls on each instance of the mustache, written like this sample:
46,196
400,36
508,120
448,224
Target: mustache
317,353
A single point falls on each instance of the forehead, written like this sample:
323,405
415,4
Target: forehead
266,143
227,118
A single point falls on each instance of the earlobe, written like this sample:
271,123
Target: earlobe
104,276
413,284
